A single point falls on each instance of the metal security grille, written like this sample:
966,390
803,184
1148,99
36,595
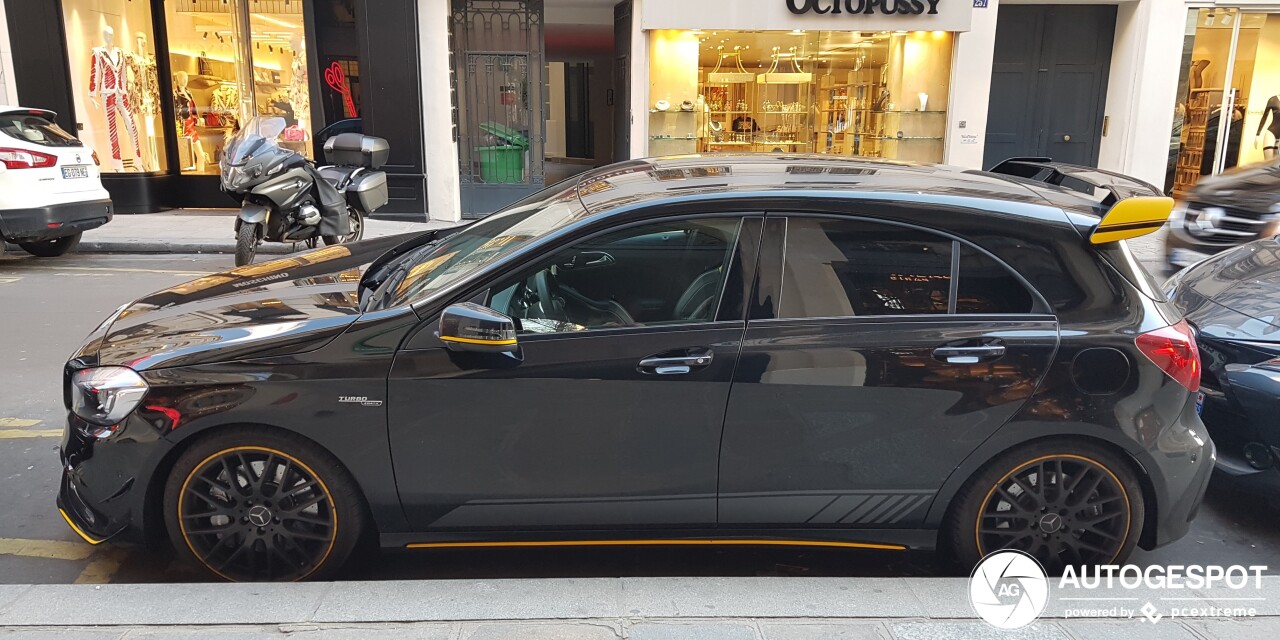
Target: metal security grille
499,106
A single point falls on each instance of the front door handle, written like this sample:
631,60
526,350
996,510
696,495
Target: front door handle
969,355
665,365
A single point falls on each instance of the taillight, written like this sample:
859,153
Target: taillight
96,161
23,159
1174,350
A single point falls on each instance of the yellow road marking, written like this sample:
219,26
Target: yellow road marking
51,549
7,434
18,422
105,564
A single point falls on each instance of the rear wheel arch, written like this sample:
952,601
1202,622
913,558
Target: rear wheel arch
944,502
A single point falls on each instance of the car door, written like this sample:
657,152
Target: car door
610,413
876,357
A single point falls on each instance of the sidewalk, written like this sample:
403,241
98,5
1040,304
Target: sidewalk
203,231
764,608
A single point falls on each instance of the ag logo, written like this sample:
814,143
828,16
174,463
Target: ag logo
1008,589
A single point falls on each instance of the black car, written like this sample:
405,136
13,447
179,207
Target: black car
1225,211
1233,300
754,350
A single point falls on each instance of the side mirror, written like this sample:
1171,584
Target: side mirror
470,327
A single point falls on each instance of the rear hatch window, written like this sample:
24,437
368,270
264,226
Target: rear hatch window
35,129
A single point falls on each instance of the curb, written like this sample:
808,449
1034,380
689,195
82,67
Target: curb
272,248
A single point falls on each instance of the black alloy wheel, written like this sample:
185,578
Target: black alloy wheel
1080,507
254,512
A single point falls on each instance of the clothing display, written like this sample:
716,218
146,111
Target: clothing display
1272,112
107,79
299,90
225,100
184,106
144,83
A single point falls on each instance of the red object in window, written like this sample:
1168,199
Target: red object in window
24,159
95,159
1174,350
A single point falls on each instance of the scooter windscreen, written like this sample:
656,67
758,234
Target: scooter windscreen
250,151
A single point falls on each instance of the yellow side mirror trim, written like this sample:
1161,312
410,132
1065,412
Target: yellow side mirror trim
1131,218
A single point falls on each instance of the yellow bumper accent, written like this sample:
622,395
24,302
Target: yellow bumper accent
80,532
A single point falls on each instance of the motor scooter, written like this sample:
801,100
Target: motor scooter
284,197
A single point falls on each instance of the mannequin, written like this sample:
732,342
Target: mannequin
144,90
1272,134
184,107
107,79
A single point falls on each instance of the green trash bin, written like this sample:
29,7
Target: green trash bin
504,163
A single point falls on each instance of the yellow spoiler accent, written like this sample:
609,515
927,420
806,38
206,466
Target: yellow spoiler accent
1131,218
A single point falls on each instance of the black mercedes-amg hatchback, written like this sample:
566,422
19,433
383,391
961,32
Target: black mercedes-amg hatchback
728,350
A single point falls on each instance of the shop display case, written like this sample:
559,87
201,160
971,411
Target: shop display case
729,96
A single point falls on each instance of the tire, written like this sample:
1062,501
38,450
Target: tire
51,248
291,511
1092,490
246,244
356,222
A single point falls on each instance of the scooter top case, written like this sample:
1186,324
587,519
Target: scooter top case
353,149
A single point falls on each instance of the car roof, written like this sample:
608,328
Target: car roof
765,176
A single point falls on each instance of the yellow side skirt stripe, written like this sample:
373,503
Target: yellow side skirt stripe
620,543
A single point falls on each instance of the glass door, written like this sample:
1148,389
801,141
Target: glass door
1229,95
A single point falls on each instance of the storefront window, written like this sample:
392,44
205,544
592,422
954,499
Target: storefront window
110,44
221,79
280,70
873,94
1229,96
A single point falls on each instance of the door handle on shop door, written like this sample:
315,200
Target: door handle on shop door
666,365
969,355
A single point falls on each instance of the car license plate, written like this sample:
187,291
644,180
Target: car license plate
1185,257
1200,404
76,171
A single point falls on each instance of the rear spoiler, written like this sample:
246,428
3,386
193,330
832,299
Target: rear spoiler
43,113
1135,208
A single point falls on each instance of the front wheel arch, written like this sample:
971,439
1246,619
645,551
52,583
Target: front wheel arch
157,533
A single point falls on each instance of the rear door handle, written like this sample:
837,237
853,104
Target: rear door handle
969,355
664,365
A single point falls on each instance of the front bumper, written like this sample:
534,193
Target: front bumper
33,224
1181,249
1242,416
103,492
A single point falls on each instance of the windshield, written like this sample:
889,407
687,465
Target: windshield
434,266
257,135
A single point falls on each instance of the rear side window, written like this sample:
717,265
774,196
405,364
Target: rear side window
986,286
848,268
36,130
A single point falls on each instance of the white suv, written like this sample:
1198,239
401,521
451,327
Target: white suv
50,191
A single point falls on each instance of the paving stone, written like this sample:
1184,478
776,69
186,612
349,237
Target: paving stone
937,630
692,631
1236,629
852,630
541,631
1129,629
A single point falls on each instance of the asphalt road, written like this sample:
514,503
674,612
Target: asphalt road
47,306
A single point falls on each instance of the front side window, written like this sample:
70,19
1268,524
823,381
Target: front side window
665,273
836,268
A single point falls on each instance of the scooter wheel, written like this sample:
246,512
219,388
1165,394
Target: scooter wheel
246,244
356,225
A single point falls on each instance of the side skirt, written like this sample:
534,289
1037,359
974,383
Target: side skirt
868,539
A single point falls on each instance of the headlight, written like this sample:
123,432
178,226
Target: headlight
104,396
